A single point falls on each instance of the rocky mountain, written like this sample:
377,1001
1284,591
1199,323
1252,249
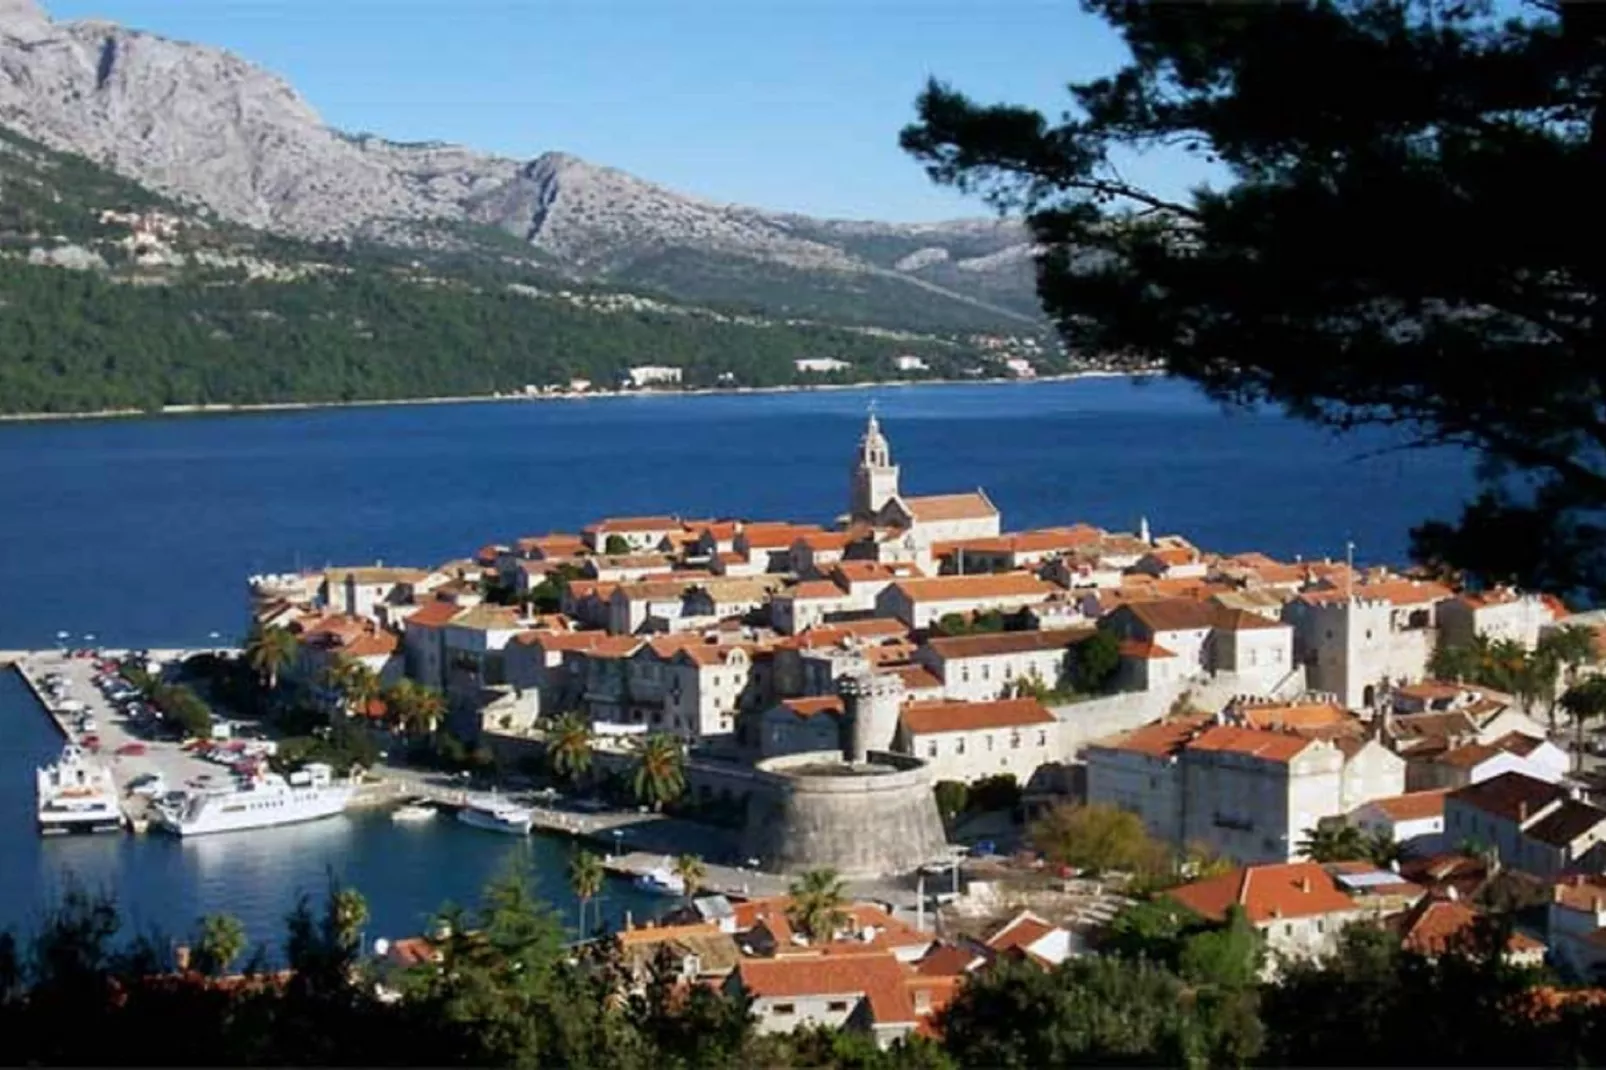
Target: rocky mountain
208,128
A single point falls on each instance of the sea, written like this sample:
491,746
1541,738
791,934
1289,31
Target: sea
141,532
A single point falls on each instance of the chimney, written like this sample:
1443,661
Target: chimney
1451,894
181,958
1556,894
1304,885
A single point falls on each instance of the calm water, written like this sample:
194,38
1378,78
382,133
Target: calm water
142,532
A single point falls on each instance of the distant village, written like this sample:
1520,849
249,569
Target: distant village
1236,703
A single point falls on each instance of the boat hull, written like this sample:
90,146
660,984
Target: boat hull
330,802
67,825
515,826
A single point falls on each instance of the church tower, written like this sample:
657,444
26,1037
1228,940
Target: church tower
875,477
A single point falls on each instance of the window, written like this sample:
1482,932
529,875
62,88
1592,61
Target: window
989,742
931,749
986,673
1009,672
837,1006
783,1009
1042,738
959,745
964,675
1014,741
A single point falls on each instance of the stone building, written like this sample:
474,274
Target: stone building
967,741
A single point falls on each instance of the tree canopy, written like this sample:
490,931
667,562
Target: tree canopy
1378,248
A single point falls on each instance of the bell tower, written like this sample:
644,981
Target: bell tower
875,477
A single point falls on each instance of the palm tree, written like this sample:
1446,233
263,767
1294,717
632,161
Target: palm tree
219,942
1334,843
691,871
268,650
660,771
399,699
357,684
817,904
585,878
1584,701
427,712
569,746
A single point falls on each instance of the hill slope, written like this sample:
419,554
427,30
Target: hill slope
113,296
210,129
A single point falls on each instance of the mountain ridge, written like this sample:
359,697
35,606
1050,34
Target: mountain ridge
209,128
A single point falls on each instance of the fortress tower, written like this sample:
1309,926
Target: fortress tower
875,477
872,701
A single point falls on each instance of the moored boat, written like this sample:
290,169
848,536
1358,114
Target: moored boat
77,794
497,817
661,880
309,794
412,813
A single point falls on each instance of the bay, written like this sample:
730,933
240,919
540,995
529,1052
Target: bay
142,531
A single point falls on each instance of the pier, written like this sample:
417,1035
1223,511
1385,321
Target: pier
175,765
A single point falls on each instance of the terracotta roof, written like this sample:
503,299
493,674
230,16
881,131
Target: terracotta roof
825,540
1299,717
1021,931
644,525
614,646
814,590
1046,540
1412,806
560,640
488,617
877,976
1242,620
554,545
1174,556
823,635
849,572
1287,890
1511,796
808,707
1442,725
1396,592
1174,614
652,590
1269,746
947,960
924,718
1434,926
1519,744
934,508
376,574
915,677
1134,648
992,645
774,535
372,644
977,588
1566,823
433,615
629,561
1163,739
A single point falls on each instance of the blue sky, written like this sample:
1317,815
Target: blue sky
784,104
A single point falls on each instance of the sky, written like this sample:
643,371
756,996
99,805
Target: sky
782,104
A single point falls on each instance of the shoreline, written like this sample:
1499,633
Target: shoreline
597,395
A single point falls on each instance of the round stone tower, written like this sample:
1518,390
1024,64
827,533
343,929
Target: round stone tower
871,703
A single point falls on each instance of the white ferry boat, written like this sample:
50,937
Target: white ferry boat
497,817
263,801
413,813
77,793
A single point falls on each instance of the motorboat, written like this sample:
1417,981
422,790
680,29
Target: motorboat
497,817
413,813
661,880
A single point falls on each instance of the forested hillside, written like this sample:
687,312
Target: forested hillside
116,298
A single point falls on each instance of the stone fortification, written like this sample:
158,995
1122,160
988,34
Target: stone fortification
816,811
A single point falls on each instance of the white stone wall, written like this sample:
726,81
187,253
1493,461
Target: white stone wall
1143,784
892,603
1255,810
1261,657
979,679
784,732
1373,772
970,756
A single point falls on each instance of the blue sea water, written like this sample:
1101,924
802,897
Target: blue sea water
142,531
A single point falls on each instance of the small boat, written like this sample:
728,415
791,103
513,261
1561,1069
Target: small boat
413,812
661,880
497,817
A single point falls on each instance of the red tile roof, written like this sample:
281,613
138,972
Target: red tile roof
924,718
1511,796
644,525
998,643
1412,806
434,615
976,588
934,508
877,976
1435,926
1133,648
1163,739
808,707
1287,890
1270,746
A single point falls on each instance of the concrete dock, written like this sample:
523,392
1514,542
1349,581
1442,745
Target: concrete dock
176,766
